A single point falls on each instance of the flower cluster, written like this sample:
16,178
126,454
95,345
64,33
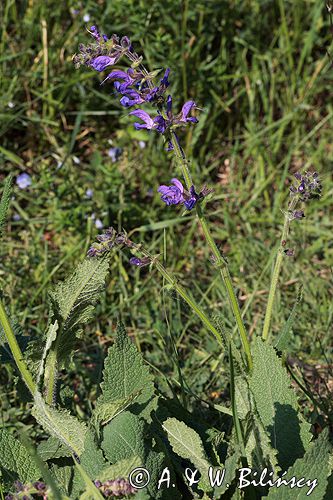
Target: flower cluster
308,186
135,85
29,490
115,488
177,195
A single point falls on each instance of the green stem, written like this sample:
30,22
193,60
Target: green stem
277,269
220,261
16,351
183,293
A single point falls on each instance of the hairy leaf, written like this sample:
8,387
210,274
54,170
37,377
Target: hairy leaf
125,378
92,458
277,405
72,302
123,437
4,202
52,448
120,469
313,466
186,443
105,412
15,458
60,424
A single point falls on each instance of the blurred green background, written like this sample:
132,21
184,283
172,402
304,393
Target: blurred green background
262,73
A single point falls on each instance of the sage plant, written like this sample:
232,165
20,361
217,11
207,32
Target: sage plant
137,86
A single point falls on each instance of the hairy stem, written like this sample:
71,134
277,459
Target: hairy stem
277,269
16,351
220,261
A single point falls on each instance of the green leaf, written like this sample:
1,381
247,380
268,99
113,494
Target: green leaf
123,437
4,202
52,448
104,412
277,405
186,443
73,301
259,451
231,467
63,475
120,469
92,458
126,378
60,424
15,458
313,466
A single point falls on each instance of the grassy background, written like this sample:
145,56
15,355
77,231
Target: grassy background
262,73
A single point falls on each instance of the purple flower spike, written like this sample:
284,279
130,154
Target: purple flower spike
186,109
172,195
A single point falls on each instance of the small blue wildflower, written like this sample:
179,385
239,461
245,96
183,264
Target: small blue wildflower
172,195
16,217
89,193
99,223
142,144
23,180
86,18
114,154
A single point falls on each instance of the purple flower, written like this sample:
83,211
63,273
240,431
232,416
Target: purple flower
101,62
298,214
164,80
191,199
89,193
186,109
132,98
172,195
135,261
114,154
157,123
23,180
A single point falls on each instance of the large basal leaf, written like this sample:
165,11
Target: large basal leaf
60,424
313,466
125,378
14,457
186,443
73,301
123,437
277,405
